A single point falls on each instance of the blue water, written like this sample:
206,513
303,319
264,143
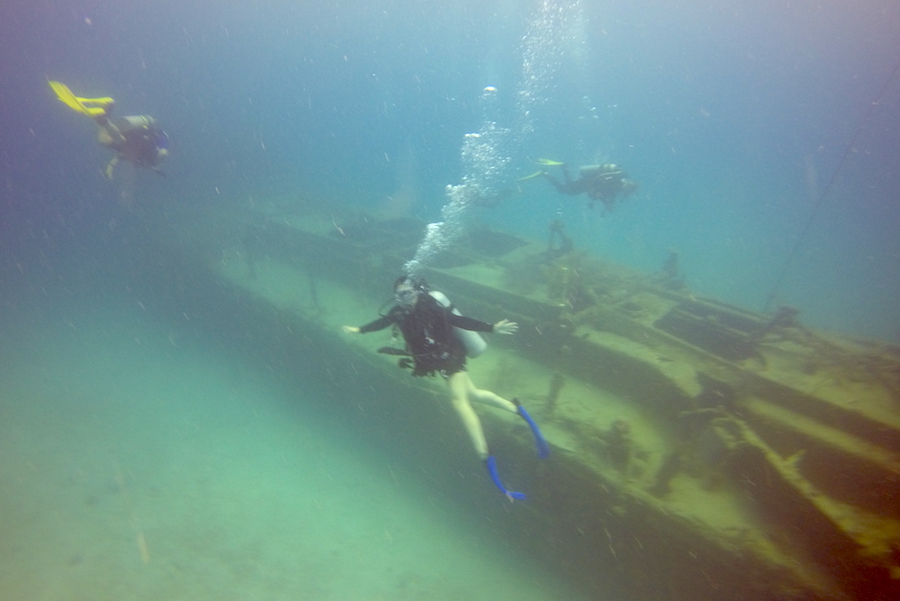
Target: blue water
732,116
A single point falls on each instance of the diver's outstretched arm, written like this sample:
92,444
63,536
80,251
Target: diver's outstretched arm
110,166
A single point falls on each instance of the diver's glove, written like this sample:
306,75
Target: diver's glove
491,465
543,449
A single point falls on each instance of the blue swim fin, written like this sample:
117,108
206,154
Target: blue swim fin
543,449
491,465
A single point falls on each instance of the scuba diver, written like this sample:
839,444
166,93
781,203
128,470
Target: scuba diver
600,182
138,138
438,338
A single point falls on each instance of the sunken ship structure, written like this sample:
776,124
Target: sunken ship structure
699,450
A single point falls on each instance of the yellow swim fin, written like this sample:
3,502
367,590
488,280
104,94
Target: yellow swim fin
532,176
104,105
79,105
549,162
66,96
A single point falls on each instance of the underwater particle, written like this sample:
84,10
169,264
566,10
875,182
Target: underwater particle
142,548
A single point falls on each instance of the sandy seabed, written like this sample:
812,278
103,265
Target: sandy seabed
134,465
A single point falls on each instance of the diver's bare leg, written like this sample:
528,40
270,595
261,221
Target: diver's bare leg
107,133
459,396
486,397
554,182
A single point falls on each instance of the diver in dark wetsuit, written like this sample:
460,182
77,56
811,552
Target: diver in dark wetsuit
137,138
433,346
600,182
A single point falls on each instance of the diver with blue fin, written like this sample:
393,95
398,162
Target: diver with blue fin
137,138
438,339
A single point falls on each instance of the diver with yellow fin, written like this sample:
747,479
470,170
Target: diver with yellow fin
137,138
604,182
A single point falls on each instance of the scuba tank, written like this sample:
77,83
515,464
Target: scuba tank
472,341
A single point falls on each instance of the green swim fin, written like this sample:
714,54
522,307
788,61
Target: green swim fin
532,176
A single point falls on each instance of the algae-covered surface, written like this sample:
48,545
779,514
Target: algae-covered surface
138,461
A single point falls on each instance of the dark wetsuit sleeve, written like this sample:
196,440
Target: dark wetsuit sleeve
379,324
467,323
394,316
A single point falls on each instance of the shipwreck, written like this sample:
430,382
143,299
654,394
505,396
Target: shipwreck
700,450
